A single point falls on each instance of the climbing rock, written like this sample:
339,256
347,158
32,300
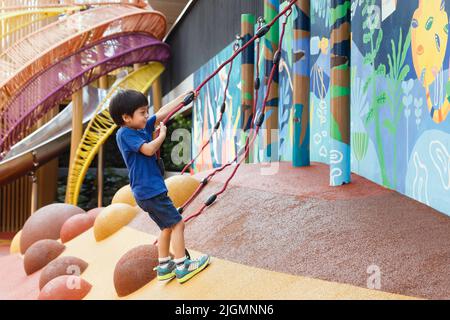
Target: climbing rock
76,225
40,253
15,243
46,223
62,266
95,212
112,218
124,195
65,288
135,269
180,188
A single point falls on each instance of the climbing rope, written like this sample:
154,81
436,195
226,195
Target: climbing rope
259,122
255,103
260,33
222,110
260,119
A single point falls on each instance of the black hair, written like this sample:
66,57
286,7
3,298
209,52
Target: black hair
126,102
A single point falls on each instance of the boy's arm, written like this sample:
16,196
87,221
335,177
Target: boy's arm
150,148
162,113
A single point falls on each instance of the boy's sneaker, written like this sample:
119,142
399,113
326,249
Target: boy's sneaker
191,268
167,272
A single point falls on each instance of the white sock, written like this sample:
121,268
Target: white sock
180,262
163,262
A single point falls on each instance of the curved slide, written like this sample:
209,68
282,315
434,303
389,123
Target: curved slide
48,141
37,51
23,22
68,76
102,126
51,139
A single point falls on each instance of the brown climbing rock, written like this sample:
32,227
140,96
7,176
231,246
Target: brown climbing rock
46,223
135,269
40,253
60,267
76,225
65,288
95,212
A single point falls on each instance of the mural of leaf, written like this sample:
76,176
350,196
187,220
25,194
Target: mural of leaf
360,144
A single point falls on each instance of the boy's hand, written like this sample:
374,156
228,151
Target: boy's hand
192,91
162,129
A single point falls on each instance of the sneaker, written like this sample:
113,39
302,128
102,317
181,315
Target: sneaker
191,268
166,273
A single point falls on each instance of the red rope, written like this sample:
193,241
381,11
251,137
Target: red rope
255,102
218,121
181,105
255,133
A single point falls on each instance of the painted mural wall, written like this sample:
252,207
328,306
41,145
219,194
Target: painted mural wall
400,98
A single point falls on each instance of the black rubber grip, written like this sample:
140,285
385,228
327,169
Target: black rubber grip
257,83
189,98
259,120
204,181
277,57
222,107
180,210
262,31
210,200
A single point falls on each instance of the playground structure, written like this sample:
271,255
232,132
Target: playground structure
109,37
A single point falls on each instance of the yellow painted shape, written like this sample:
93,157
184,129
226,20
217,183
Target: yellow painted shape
429,39
180,188
113,218
15,243
124,195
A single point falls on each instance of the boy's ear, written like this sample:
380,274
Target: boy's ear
126,118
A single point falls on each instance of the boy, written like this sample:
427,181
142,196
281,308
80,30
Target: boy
129,110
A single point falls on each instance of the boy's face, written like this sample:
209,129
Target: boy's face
139,118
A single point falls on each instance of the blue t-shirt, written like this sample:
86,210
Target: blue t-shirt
145,177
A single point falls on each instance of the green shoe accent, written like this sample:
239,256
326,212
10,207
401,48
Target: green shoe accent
166,273
166,276
184,274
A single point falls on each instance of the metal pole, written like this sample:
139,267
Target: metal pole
340,93
271,9
247,74
301,83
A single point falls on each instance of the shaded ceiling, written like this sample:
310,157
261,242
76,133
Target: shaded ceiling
170,8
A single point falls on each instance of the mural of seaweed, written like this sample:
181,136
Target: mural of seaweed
360,143
374,37
398,71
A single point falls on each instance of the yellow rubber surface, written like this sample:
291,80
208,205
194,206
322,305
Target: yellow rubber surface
220,280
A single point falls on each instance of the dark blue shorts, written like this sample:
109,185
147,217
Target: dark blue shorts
161,209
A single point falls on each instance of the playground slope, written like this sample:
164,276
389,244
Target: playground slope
282,236
293,222
221,280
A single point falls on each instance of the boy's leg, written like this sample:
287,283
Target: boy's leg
164,243
186,268
178,240
166,267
